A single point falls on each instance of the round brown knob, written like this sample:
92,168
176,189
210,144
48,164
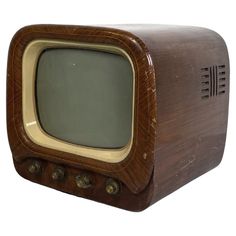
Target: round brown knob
58,173
112,187
34,167
83,181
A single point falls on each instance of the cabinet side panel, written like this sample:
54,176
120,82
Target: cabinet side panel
192,72
193,87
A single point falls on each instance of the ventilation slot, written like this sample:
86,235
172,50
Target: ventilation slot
213,81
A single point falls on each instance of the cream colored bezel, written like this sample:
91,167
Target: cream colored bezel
30,119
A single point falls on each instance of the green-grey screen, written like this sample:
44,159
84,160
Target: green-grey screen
85,97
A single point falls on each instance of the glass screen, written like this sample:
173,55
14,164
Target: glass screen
85,97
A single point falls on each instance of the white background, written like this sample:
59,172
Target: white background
206,206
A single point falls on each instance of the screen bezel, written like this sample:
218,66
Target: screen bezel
30,118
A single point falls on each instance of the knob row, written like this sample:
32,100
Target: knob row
83,181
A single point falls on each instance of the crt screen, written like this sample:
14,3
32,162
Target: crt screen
85,97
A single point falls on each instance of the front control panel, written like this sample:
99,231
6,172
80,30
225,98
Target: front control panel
61,175
82,183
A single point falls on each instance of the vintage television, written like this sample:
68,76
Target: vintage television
123,115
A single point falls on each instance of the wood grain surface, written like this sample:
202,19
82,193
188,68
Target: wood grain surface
180,113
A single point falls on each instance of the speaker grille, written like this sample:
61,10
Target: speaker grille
212,81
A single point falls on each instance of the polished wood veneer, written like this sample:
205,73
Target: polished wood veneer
180,113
